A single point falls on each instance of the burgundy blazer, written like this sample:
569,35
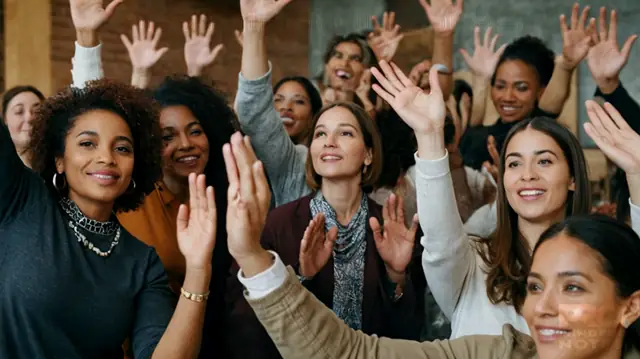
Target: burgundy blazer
285,226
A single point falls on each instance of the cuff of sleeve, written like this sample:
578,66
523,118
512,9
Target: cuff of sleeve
619,92
262,284
257,85
88,55
432,168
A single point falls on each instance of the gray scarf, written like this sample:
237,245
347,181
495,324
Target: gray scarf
348,259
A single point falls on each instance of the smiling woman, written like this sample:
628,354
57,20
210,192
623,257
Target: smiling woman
73,282
19,105
583,301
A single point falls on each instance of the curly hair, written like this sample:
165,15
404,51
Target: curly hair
533,52
56,116
211,108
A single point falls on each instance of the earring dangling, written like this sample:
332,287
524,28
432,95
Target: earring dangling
625,323
364,169
55,181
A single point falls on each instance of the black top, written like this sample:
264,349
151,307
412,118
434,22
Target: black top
473,144
57,298
630,111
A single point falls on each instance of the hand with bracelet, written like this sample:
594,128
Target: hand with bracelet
196,235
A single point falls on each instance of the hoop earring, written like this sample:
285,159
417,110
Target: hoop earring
131,189
55,181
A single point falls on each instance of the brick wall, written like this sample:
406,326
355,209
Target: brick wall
287,39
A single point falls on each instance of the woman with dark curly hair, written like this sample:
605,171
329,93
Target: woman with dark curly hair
74,283
195,120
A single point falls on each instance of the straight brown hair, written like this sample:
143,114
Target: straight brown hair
508,255
371,138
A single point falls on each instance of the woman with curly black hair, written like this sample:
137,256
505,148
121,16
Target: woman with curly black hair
74,283
195,121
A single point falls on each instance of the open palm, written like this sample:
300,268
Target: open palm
443,15
142,48
316,247
576,41
90,14
261,10
424,113
197,47
248,198
485,57
619,142
197,224
394,241
606,59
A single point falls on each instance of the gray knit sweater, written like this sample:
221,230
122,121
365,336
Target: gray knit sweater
284,162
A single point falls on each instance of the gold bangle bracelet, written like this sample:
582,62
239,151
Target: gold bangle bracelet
199,298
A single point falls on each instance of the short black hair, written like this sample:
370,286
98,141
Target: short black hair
15,91
533,52
398,147
57,115
312,92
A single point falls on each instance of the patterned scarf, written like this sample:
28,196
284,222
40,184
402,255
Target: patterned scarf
348,259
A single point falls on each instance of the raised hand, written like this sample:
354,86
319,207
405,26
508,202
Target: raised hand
239,37
619,142
394,240
261,11
605,59
384,40
423,112
485,57
443,15
196,224
316,247
197,51
142,47
493,165
90,14
417,71
577,40
248,199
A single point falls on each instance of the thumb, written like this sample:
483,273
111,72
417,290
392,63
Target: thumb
162,51
434,81
332,235
465,56
126,42
216,50
377,230
111,8
182,220
415,222
626,48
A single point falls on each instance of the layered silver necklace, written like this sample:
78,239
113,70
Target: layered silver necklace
78,219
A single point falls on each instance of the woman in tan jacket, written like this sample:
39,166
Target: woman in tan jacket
583,291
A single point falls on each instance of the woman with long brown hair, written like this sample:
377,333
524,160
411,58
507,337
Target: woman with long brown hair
542,180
